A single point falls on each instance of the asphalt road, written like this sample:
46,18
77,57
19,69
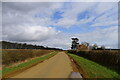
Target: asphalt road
58,66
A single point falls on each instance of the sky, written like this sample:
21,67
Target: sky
53,24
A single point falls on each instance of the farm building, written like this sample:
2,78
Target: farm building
82,47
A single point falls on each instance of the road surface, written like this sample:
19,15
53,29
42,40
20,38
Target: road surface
58,66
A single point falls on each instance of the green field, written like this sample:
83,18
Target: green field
94,70
8,70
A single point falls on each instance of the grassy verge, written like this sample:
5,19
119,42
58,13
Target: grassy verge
11,56
94,70
8,70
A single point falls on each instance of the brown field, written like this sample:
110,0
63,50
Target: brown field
10,56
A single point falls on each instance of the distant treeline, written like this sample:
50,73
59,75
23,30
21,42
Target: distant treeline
11,45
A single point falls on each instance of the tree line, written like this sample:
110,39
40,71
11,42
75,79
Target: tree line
11,45
75,45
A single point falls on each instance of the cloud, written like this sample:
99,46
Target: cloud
70,14
66,23
28,21
0,21
107,37
97,16
17,13
62,1
61,40
29,33
104,7
34,23
106,23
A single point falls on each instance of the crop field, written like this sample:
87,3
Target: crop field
25,65
18,59
10,56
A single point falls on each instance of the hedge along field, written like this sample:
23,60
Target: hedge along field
10,56
93,70
8,71
108,58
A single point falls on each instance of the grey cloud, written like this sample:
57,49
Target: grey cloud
28,33
0,21
17,13
100,36
19,23
24,7
18,19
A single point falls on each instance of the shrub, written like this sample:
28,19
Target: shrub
72,51
109,58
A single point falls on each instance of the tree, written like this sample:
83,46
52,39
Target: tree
75,43
95,46
103,47
85,43
10,45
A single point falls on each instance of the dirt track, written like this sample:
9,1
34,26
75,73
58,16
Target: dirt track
59,66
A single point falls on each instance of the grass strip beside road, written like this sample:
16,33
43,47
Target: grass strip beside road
94,70
8,70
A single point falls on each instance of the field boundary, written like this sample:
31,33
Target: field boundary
10,74
93,70
76,67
